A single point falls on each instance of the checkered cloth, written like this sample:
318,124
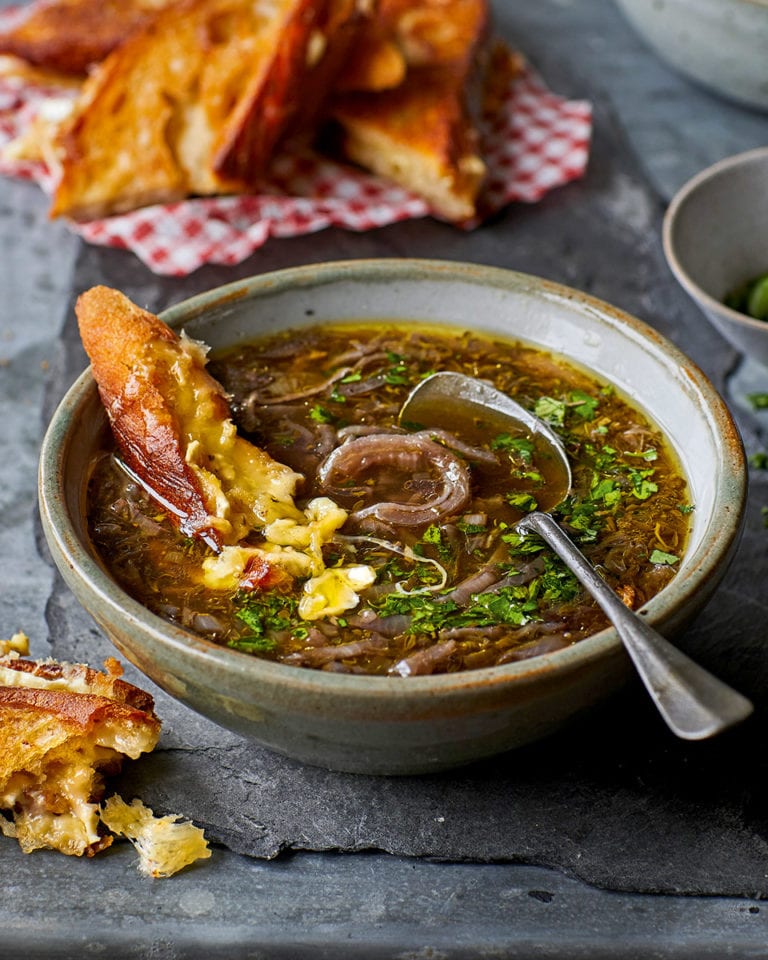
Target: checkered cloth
534,142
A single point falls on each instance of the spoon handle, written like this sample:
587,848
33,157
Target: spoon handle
693,702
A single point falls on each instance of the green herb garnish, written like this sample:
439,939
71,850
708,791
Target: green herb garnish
397,374
521,501
551,410
519,446
321,414
582,404
660,557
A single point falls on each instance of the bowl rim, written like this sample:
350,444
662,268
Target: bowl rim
81,565
671,215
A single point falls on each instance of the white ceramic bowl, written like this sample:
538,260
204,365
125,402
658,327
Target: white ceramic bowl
715,238
721,44
380,724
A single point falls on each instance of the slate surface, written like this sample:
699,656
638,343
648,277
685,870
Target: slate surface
615,800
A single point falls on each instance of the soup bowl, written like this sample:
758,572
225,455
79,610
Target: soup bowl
391,725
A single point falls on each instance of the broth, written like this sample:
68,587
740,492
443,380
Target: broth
453,586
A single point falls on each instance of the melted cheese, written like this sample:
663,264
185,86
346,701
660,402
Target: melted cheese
243,487
74,682
245,490
334,591
17,645
296,544
62,784
164,844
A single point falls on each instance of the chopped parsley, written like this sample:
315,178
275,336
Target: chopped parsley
659,556
582,405
429,614
642,486
434,535
397,375
471,528
263,613
521,447
521,501
577,403
321,414
253,644
551,410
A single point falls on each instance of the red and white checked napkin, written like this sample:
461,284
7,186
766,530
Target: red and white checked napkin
536,141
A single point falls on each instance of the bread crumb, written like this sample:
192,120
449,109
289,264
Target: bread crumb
18,644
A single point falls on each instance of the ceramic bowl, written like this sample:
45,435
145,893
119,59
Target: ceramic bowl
718,43
384,725
715,238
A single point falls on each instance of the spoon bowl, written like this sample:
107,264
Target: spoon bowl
446,398
694,703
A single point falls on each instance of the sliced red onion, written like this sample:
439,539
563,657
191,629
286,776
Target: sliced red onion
425,661
469,452
262,400
407,453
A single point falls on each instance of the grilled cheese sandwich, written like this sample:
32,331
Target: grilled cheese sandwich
63,729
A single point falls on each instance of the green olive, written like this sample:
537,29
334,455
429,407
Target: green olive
757,301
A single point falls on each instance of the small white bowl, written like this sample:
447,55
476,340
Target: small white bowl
720,44
716,238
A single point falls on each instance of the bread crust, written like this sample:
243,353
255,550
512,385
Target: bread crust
195,102
171,421
119,338
287,99
71,35
199,96
80,712
63,728
108,685
423,133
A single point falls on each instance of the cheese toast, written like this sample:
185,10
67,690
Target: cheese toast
70,36
200,95
195,101
171,421
63,728
423,132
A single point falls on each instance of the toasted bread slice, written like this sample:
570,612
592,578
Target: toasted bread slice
63,728
195,101
432,32
171,421
376,61
71,35
422,134
410,33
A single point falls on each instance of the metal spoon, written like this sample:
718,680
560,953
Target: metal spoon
693,702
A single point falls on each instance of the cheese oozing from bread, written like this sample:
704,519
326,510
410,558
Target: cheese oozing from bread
63,728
